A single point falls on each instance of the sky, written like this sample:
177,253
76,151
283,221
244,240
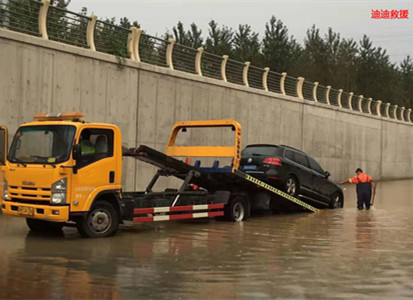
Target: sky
350,18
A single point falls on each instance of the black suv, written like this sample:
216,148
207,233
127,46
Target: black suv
293,171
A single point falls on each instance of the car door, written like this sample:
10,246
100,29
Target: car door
300,168
3,157
320,183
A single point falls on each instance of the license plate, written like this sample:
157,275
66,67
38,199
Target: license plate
26,211
250,167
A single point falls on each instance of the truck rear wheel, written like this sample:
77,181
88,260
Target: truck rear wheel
235,210
101,221
43,226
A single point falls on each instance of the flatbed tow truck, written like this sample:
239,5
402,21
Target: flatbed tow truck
63,171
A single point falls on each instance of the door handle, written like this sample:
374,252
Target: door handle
111,176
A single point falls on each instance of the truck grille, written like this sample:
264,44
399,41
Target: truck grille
29,193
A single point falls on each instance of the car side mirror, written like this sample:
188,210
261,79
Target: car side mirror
327,174
76,152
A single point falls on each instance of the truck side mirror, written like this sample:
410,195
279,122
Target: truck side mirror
76,152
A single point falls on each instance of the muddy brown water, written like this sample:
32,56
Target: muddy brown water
334,254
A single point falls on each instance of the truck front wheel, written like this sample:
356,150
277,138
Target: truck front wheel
101,221
43,226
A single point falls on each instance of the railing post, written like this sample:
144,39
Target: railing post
43,19
409,112
369,105
90,32
136,44
395,112
224,68
388,110
282,82
245,73
300,83
402,113
360,103
340,91
315,91
198,57
131,38
328,95
350,99
265,79
169,50
378,108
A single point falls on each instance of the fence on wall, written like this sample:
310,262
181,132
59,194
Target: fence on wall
40,19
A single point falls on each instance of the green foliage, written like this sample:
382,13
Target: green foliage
280,50
219,40
358,67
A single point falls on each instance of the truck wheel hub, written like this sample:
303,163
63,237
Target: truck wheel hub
99,221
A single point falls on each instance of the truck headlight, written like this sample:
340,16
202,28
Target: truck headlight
59,192
5,190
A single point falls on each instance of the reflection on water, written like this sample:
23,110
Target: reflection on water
334,254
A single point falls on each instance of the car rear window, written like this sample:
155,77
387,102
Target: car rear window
261,150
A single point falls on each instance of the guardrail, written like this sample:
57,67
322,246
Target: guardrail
40,19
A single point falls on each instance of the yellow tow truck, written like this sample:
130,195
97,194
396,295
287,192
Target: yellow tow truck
61,170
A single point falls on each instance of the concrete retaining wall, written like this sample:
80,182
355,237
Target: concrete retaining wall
145,101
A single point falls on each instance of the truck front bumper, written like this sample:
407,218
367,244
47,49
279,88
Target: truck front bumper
40,212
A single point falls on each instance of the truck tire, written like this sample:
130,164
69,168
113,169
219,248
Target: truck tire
43,226
236,210
101,221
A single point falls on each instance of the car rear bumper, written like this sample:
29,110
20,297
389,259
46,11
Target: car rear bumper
40,212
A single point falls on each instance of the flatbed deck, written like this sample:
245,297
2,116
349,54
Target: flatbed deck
201,188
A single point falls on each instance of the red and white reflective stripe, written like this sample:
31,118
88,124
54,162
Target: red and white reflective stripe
153,210
178,217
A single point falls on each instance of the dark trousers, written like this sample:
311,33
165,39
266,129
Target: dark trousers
363,195
363,199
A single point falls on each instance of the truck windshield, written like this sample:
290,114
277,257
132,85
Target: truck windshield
49,144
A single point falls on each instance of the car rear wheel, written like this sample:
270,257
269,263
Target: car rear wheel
291,186
336,201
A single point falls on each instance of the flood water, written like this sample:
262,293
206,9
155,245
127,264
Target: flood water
334,254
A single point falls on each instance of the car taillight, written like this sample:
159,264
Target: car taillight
273,161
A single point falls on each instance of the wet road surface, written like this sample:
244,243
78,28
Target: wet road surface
334,254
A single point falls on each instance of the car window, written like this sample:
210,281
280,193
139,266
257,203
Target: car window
315,166
261,150
300,159
95,144
289,154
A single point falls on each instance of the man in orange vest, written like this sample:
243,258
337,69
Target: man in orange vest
365,188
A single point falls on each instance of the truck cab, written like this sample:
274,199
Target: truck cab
58,167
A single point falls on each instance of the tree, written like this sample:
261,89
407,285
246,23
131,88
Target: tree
281,51
191,38
219,41
246,46
406,70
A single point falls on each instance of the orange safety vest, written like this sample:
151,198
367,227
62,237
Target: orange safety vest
361,178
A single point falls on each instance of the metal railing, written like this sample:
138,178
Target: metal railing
40,19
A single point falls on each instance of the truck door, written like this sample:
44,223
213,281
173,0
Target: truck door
96,168
3,156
